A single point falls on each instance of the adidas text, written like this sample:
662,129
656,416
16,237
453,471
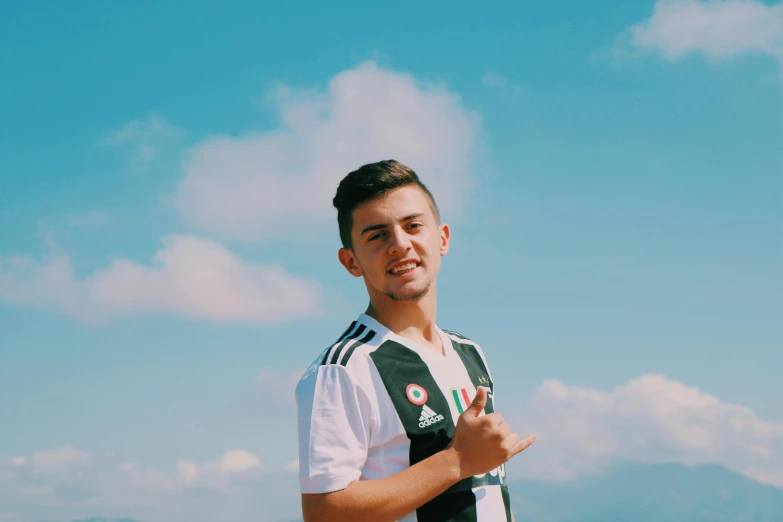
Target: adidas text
428,417
430,421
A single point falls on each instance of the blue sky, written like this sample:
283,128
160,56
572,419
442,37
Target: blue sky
611,173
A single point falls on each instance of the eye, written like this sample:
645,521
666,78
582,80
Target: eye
376,236
415,225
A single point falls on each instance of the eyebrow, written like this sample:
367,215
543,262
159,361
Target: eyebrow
381,226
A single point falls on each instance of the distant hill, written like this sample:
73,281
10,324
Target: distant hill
650,493
105,519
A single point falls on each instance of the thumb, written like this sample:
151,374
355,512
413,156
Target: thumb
479,401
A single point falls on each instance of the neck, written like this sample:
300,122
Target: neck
412,319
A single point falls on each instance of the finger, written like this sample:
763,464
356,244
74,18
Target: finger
510,443
523,444
493,419
504,429
479,401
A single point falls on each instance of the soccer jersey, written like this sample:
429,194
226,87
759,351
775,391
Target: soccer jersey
374,403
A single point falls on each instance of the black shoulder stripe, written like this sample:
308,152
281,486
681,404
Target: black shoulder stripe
366,339
346,331
339,348
342,336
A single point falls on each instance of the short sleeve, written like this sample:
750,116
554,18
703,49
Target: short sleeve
334,416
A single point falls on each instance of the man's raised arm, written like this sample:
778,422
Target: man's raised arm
480,444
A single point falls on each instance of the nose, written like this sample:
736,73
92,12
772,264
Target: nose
399,242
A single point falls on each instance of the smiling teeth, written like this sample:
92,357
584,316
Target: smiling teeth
409,266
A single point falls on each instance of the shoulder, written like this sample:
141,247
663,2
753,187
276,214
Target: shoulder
351,347
343,371
467,347
458,338
348,354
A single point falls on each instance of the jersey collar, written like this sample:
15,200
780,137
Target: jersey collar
423,351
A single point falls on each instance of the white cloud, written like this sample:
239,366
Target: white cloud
253,186
49,284
291,466
187,470
146,136
715,28
238,461
652,419
189,277
765,477
235,487
57,458
219,476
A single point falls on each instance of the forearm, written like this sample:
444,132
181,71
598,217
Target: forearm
389,498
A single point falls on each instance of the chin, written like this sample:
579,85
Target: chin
409,294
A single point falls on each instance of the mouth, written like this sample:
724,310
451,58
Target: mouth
403,268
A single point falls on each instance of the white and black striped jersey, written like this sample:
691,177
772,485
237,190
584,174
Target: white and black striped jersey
375,403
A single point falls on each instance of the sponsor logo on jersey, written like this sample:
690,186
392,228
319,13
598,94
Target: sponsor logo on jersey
416,394
460,396
428,417
499,472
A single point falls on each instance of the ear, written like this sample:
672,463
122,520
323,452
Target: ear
445,237
348,260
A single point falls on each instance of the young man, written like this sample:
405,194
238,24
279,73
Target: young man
396,417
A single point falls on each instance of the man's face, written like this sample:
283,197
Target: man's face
397,244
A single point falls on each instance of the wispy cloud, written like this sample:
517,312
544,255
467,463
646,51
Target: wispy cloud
251,186
219,475
88,220
650,418
146,137
54,458
713,28
281,385
189,277
66,482
291,466
503,84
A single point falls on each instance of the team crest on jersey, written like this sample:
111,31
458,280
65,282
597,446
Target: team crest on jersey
416,394
483,380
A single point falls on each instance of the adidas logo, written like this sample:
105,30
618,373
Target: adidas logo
428,417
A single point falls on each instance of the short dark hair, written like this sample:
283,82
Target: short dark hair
369,182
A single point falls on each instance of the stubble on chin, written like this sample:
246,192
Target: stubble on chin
410,297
